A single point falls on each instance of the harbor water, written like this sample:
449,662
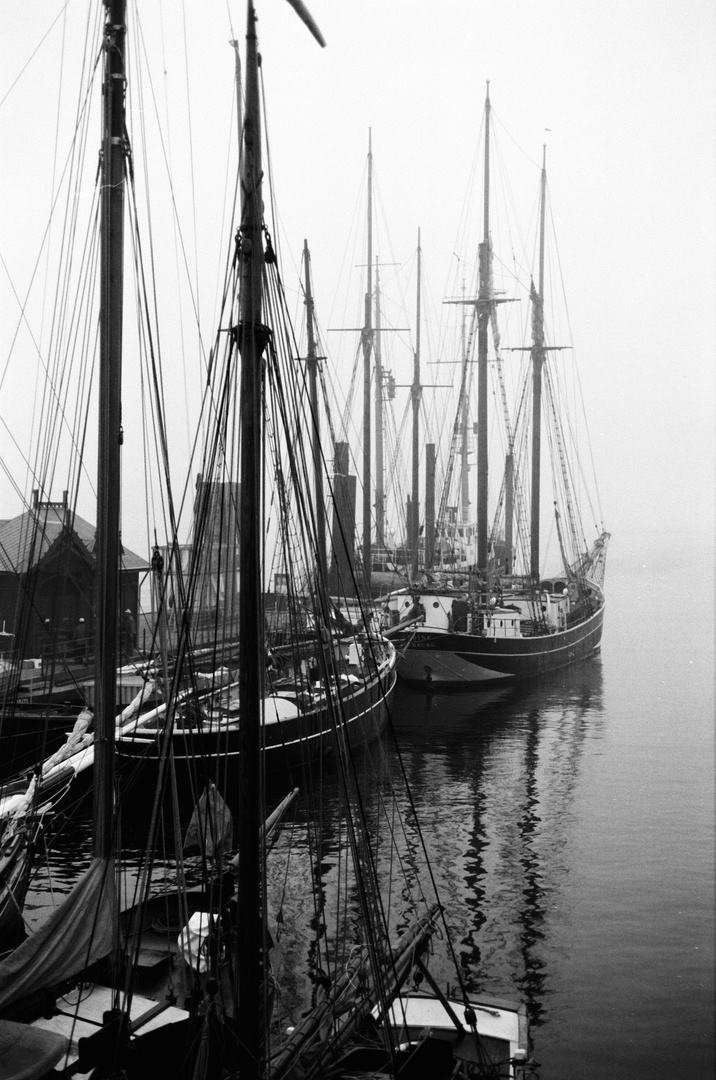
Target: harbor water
570,826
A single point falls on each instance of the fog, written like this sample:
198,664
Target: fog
624,95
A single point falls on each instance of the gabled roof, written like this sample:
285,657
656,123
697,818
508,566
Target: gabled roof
26,539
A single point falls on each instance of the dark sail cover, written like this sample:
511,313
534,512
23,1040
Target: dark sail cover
77,934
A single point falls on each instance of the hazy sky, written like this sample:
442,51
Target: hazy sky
627,91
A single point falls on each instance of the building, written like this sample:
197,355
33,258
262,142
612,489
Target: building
47,577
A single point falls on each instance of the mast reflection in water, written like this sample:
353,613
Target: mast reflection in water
494,780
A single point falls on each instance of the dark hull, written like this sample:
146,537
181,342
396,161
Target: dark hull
34,727
469,661
288,742
14,877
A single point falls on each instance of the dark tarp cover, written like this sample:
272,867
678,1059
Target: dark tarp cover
79,932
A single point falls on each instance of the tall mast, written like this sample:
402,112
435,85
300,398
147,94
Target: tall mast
429,504
483,319
252,337
415,395
315,415
464,466
379,430
367,341
509,508
538,355
110,422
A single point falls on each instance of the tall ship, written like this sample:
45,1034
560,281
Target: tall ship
482,611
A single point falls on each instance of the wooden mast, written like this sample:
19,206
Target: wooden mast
312,363
483,320
538,355
415,395
252,337
110,423
464,448
379,420
367,342
429,505
509,508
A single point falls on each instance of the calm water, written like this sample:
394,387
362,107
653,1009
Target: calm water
578,820
571,831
